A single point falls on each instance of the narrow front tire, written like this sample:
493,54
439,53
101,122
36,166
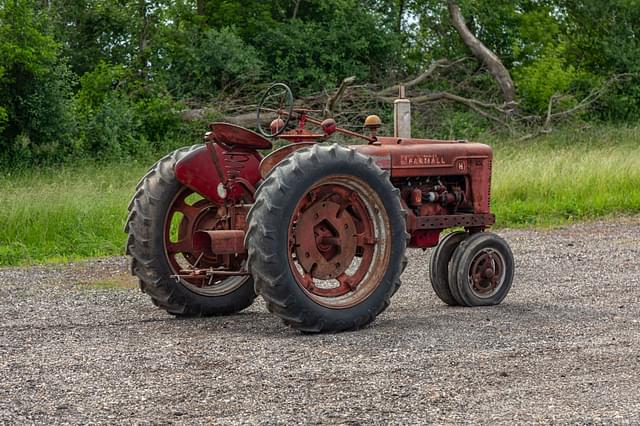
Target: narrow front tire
482,269
439,268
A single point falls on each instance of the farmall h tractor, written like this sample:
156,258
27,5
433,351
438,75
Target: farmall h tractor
319,231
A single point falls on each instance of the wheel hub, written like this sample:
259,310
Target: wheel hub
184,218
485,272
325,238
204,216
333,247
489,273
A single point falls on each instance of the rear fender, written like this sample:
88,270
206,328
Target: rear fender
273,159
198,172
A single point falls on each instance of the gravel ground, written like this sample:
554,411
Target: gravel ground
78,344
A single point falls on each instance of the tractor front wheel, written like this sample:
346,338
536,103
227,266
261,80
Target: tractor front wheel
439,268
482,270
326,240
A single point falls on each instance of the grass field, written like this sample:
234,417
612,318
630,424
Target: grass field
567,176
571,175
58,215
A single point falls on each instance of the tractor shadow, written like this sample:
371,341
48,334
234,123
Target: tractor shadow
441,323
508,318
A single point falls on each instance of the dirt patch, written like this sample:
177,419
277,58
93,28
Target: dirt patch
121,281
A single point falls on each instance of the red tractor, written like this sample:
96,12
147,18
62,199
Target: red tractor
319,231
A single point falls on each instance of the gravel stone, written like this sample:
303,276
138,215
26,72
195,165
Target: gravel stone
562,348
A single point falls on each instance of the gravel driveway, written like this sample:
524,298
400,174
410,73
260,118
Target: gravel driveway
78,344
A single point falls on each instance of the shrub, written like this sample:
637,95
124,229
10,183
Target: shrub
543,78
120,117
35,88
200,63
314,55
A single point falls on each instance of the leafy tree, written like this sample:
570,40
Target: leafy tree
604,39
91,31
326,42
108,78
121,116
35,85
548,76
201,62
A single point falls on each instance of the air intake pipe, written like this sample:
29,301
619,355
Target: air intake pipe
402,116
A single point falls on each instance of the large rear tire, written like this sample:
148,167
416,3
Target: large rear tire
163,215
326,240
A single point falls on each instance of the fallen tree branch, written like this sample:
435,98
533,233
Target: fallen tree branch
594,95
473,104
365,97
547,121
485,55
440,63
331,101
587,101
470,103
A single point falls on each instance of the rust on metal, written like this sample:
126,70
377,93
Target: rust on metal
217,164
271,160
300,134
197,170
184,222
329,126
424,238
450,221
218,242
230,134
334,253
207,274
486,272
409,158
333,248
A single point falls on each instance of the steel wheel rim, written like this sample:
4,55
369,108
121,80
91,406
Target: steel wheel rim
349,284
202,213
487,273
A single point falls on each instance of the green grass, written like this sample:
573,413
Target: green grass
570,175
66,214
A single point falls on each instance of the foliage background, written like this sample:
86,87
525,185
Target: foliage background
110,79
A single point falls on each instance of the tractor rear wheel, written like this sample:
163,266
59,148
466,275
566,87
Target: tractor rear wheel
326,240
163,216
439,268
482,269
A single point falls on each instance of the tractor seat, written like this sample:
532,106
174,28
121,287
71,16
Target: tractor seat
230,134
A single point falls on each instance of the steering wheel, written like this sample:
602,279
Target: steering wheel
276,104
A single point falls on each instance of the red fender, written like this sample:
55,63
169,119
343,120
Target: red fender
198,172
273,159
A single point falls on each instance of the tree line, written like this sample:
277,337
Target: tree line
109,79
